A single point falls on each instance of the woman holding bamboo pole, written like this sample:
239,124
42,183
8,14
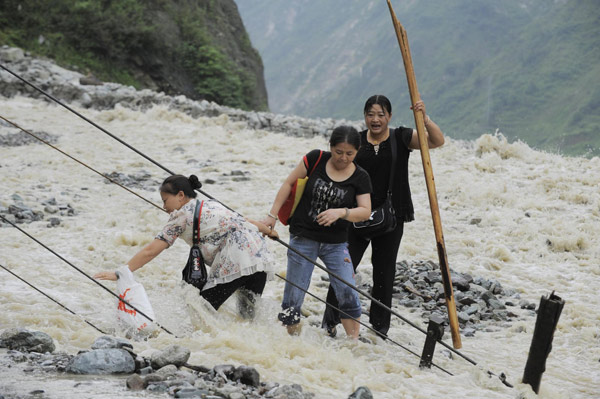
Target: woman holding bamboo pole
375,156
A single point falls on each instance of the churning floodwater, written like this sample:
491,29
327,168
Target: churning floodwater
537,231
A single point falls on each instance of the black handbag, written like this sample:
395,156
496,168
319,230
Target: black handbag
383,218
194,272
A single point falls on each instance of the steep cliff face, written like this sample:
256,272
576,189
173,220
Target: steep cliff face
196,48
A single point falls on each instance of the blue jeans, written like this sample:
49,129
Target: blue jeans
299,271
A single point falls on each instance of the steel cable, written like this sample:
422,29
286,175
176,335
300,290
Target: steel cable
52,299
449,347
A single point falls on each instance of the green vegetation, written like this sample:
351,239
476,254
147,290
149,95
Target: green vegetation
529,68
159,44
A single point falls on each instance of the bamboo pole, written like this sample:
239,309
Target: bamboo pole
435,212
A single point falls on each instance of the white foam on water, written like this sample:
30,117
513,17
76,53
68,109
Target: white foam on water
530,220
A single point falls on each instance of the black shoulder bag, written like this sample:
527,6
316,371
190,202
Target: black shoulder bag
383,218
194,272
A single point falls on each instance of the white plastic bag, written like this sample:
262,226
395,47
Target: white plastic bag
134,293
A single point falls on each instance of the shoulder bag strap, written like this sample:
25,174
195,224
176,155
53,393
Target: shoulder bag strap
394,149
315,165
197,215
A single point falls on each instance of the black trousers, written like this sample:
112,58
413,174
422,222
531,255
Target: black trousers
384,250
217,295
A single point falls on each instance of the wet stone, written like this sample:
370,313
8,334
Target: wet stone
361,393
107,342
26,341
172,354
135,382
247,375
463,317
102,361
476,297
285,392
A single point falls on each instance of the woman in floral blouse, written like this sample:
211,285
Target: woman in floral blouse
231,245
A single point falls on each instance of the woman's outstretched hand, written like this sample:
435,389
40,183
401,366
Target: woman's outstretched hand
265,229
106,276
272,234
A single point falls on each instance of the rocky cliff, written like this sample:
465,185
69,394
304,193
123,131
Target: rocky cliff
196,48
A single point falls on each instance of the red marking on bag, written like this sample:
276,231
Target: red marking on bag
122,304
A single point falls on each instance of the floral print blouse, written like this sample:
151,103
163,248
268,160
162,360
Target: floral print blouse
230,245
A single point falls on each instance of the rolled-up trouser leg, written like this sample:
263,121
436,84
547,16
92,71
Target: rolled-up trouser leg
299,271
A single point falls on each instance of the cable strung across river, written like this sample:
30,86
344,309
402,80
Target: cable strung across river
449,347
281,277
52,299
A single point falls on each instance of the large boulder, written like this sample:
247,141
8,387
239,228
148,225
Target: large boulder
24,340
102,361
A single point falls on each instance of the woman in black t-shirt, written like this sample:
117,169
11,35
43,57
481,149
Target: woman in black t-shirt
375,157
337,192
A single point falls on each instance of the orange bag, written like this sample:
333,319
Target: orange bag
289,206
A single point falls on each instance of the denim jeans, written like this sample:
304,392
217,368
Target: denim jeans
299,271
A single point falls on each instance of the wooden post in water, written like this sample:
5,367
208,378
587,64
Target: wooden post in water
435,212
541,343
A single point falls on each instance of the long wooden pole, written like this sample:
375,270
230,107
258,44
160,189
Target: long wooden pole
435,212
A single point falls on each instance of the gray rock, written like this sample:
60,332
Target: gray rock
225,371
460,281
499,314
167,371
361,393
468,332
50,209
26,341
467,299
471,309
495,287
102,361
492,301
247,375
135,382
11,54
476,289
286,392
172,354
191,392
154,378
463,317
458,296
108,342
525,304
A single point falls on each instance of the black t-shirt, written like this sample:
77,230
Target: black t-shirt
322,193
378,167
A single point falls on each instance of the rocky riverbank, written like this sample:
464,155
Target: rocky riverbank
163,371
74,88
